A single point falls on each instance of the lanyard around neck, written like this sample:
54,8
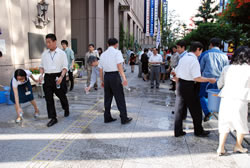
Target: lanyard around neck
52,58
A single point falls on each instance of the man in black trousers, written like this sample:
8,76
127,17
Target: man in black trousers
111,71
188,76
54,65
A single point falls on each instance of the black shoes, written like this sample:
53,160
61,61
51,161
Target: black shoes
66,113
152,87
181,134
208,117
203,134
109,120
52,122
126,121
157,87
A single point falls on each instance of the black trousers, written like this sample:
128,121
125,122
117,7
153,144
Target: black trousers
71,79
113,88
49,88
188,97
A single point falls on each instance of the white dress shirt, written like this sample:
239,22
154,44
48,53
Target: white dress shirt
54,61
110,59
188,67
155,58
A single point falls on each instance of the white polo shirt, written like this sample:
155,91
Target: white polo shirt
155,58
188,67
110,59
54,61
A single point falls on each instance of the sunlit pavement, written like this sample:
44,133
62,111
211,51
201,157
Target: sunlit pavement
84,141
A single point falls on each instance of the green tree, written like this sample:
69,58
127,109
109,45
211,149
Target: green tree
207,13
171,30
237,14
206,31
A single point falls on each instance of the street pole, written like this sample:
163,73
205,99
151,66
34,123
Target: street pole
223,4
54,15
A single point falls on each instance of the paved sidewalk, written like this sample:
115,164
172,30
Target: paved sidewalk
84,141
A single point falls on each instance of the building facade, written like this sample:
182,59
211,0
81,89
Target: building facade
94,21
19,34
23,27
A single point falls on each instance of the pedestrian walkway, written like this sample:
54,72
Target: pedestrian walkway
84,141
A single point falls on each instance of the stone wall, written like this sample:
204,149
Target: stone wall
16,21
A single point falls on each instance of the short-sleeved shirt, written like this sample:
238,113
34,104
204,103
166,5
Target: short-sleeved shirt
70,56
15,82
94,74
155,58
110,59
188,67
54,61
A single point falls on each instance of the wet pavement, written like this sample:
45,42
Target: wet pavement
84,141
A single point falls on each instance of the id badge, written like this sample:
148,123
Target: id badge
27,93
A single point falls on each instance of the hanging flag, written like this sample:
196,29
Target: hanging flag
158,38
152,10
156,16
147,17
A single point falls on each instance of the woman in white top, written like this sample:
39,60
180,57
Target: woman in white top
21,92
235,95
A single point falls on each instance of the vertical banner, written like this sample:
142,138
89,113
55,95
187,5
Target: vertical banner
152,8
158,38
165,13
147,26
161,14
156,16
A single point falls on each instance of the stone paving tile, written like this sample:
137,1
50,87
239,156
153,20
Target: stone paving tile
84,141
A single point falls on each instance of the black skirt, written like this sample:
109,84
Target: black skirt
145,68
22,89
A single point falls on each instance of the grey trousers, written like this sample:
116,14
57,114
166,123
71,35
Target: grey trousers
140,70
155,75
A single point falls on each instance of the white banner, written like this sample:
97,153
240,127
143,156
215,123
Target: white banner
156,15
158,38
147,17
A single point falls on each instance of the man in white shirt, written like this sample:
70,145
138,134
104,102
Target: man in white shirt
91,52
155,60
54,65
188,76
93,62
111,71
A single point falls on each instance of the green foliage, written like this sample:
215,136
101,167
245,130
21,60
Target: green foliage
237,11
237,14
206,31
171,30
206,12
